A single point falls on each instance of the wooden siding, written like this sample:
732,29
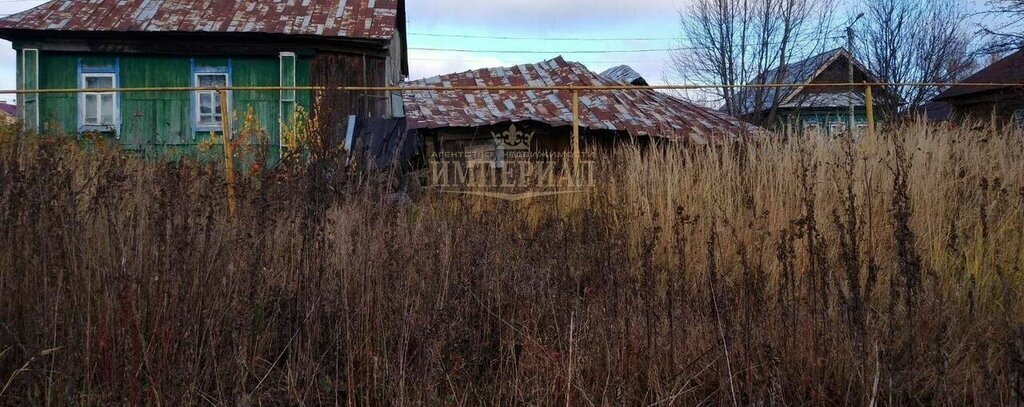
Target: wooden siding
161,123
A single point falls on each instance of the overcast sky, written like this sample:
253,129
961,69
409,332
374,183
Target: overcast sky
538,26
449,23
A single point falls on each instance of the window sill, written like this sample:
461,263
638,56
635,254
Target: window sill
97,129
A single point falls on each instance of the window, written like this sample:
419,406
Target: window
208,112
98,110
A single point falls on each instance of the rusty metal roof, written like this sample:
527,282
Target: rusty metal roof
366,19
641,112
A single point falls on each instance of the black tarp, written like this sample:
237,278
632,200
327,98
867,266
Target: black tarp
382,143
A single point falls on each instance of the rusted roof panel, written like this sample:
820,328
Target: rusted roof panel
366,19
640,112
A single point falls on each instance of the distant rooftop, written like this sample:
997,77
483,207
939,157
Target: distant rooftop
625,74
1006,70
8,109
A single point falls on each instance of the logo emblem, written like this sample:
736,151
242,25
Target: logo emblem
512,139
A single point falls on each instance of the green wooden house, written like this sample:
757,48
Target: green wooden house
802,108
116,44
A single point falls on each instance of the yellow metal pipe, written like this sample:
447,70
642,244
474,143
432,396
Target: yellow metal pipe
498,88
869,105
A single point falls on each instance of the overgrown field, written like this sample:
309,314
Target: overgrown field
819,272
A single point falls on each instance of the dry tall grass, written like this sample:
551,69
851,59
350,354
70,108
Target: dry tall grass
805,272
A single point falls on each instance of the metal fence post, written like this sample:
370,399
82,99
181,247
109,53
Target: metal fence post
229,151
869,104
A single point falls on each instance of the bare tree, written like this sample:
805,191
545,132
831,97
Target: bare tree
1005,26
914,41
734,42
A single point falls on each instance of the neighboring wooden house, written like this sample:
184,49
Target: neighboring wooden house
1001,104
810,108
462,121
8,113
107,44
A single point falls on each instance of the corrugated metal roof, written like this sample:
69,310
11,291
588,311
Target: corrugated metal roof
641,112
368,19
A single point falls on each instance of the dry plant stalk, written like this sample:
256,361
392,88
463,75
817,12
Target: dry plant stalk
810,271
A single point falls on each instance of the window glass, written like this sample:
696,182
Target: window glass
212,80
99,82
91,109
107,108
209,108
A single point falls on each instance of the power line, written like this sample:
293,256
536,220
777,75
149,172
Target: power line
606,51
506,51
499,37
514,61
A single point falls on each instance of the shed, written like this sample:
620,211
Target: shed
457,120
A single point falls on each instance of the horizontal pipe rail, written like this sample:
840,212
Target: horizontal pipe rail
508,88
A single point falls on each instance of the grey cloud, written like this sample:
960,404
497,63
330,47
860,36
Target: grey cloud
549,15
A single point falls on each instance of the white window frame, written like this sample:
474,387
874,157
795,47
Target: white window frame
287,102
115,115
196,112
289,94
32,98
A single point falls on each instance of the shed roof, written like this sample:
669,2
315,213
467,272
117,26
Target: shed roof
641,112
1006,70
365,19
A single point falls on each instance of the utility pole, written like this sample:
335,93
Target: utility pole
849,64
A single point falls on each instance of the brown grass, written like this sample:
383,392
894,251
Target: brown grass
887,271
